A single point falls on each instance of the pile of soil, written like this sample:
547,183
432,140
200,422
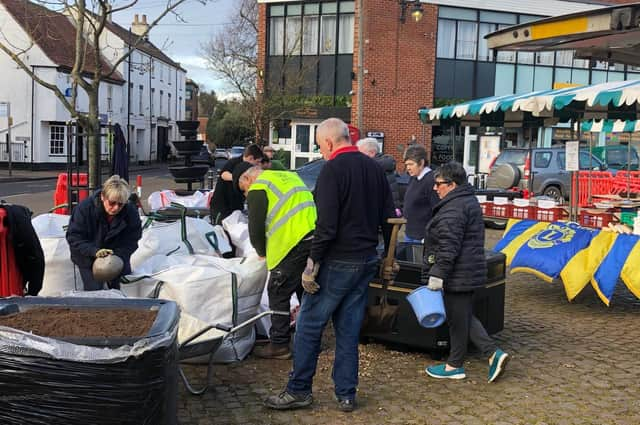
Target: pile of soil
65,322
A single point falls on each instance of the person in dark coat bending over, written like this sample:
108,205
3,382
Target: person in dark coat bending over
454,262
353,201
101,225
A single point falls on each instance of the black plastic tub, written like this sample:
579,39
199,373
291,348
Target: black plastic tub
406,331
53,387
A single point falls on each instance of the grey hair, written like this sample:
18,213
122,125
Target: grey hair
369,144
335,129
416,153
116,187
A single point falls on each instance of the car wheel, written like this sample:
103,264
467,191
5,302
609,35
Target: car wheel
555,193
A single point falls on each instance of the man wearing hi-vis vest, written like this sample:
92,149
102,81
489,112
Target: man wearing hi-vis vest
282,218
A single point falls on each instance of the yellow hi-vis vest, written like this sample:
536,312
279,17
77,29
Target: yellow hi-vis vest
291,212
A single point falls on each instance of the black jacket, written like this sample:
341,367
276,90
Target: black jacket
89,231
226,199
353,201
454,242
388,164
26,246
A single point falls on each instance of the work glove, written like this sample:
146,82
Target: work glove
435,283
389,272
103,252
309,277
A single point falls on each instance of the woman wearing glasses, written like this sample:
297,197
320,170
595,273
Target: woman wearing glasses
104,224
454,261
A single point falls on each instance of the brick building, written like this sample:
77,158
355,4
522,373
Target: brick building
370,63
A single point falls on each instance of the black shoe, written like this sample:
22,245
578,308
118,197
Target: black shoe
346,404
271,351
287,401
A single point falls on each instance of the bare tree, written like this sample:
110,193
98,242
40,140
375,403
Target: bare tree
232,55
91,17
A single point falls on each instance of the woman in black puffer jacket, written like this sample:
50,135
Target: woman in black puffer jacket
454,261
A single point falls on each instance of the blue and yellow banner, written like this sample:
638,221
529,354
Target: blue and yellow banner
576,254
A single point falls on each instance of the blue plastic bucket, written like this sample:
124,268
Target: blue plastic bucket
428,306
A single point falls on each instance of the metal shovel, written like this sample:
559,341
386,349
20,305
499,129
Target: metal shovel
380,318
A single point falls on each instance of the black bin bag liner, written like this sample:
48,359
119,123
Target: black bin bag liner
46,381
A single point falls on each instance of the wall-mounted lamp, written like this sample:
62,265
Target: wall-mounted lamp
416,10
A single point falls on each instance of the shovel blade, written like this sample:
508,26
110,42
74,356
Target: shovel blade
380,318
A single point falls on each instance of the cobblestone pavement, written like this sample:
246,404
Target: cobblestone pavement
573,363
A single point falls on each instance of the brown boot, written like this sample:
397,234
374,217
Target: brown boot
271,351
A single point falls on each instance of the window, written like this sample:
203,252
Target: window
505,56
484,52
294,35
161,102
169,105
140,97
542,159
129,104
544,58
276,36
564,58
153,96
169,72
188,94
179,110
153,69
161,72
346,34
56,140
446,39
467,40
109,98
310,35
310,29
328,34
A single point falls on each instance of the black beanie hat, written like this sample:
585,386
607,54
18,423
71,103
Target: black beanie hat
238,171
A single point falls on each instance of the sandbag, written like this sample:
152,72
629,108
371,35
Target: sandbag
210,289
164,198
60,275
196,236
237,227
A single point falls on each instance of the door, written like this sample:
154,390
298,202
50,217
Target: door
163,144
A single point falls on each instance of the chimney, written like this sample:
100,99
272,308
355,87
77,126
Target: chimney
139,27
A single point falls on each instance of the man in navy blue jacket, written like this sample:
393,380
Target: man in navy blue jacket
104,224
354,201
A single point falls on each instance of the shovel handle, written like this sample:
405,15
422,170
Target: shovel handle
391,249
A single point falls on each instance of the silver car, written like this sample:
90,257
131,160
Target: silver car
539,170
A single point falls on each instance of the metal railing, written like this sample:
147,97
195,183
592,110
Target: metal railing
20,152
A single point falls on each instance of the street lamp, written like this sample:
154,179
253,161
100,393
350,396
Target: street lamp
416,10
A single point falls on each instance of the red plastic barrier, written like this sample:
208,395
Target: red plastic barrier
594,183
10,276
623,177
60,195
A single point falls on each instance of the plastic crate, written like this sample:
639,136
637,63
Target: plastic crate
502,210
486,208
595,219
523,212
549,214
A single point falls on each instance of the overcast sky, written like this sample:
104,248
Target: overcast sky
181,41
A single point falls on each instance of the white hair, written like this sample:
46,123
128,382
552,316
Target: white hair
369,144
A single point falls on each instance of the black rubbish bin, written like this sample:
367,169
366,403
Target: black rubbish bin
488,302
111,380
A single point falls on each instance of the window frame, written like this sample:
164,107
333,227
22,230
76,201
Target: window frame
60,144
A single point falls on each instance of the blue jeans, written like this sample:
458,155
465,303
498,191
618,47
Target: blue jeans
343,298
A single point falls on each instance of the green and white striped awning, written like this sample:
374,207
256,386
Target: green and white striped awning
615,93
610,126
